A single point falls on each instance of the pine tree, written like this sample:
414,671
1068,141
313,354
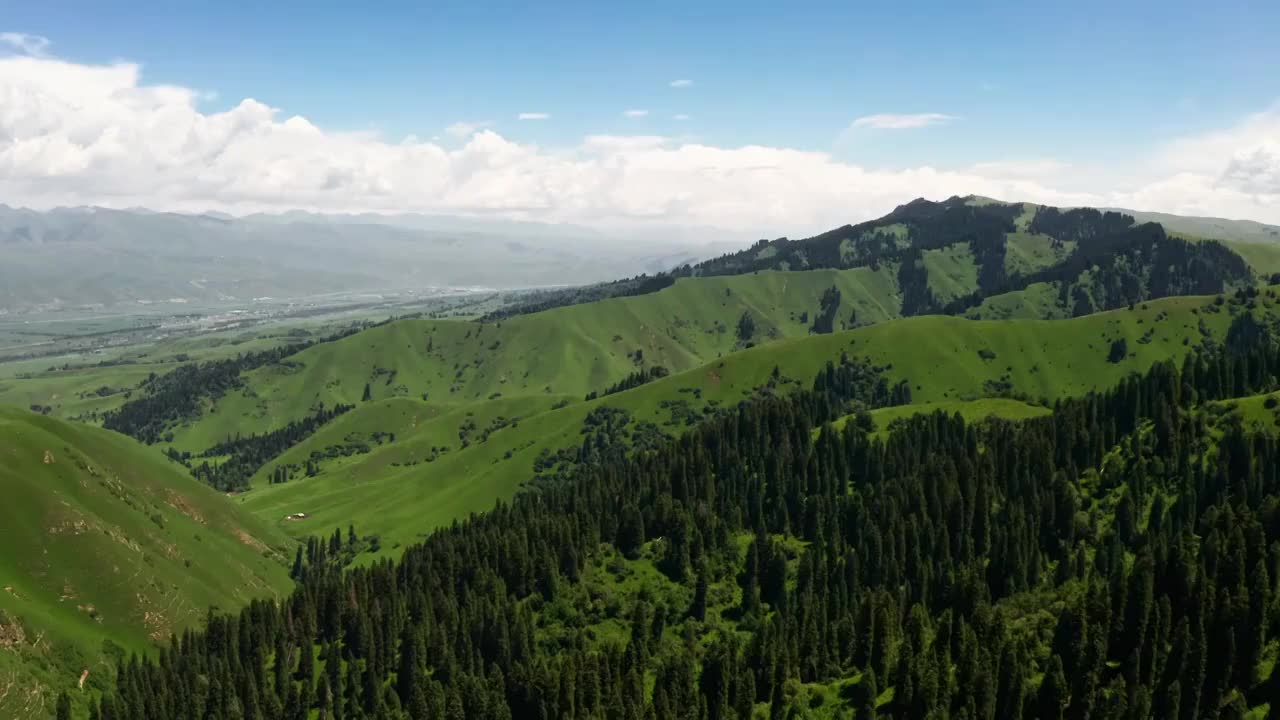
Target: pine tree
1051,700
868,693
698,610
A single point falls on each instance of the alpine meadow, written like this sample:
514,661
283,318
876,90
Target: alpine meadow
340,417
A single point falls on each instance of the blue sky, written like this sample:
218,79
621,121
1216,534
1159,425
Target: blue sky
795,114
1023,82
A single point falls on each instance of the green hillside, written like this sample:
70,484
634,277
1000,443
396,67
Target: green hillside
400,490
970,410
953,254
107,548
567,351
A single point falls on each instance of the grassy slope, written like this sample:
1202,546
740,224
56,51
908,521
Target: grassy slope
567,351
952,271
939,355
1027,252
71,392
1246,231
1251,411
971,410
102,539
1038,302
1264,258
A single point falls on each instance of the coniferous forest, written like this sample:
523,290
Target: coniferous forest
1115,559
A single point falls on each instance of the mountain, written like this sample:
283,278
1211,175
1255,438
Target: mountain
684,477
1212,228
951,256
474,403
71,257
106,549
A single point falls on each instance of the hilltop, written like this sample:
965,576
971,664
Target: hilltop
108,548
951,256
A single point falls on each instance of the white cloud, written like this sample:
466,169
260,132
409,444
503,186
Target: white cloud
533,116
680,116
635,113
73,134
1021,168
889,121
34,45
465,129
681,83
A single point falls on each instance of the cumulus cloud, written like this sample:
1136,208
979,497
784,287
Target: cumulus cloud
680,116
465,129
681,83
635,113
25,43
889,121
73,134
533,116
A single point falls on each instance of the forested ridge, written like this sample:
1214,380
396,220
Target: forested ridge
1114,261
1115,559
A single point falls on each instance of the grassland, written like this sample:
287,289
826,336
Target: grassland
952,271
78,386
1259,413
970,410
107,549
1027,252
973,367
1263,257
1039,301
567,351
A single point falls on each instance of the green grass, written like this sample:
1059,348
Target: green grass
69,384
383,493
567,351
104,540
1039,301
73,393
971,410
1264,258
952,271
1027,252
1251,412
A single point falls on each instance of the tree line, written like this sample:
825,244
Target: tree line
230,464
633,380
165,400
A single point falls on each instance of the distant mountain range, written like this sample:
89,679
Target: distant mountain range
75,257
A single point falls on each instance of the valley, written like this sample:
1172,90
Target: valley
360,432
